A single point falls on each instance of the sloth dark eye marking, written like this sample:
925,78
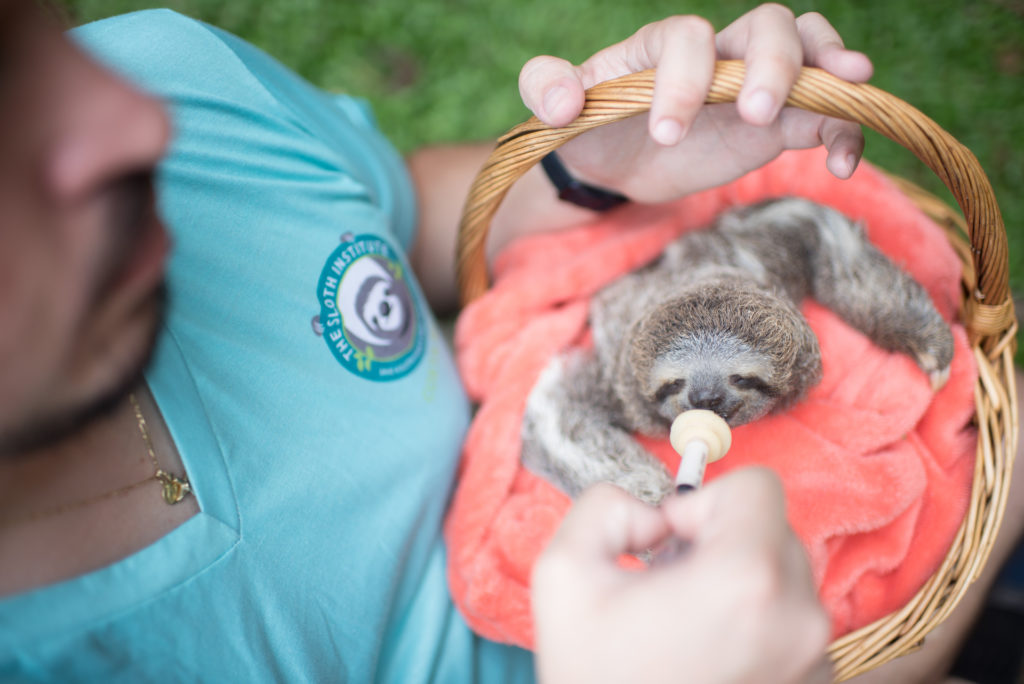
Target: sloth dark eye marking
669,388
752,382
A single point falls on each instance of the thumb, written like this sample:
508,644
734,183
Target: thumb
743,508
606,522
551,87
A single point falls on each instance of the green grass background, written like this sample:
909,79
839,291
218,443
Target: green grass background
446,70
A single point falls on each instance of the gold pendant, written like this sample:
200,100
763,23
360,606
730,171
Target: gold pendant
174,490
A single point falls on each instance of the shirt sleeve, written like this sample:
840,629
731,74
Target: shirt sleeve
193,67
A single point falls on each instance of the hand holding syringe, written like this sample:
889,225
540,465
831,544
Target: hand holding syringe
699,437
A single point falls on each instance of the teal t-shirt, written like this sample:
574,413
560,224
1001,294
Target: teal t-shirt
314,403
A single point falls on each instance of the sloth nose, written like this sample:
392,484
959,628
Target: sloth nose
710,398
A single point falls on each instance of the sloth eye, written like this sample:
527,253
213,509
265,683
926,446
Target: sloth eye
668,389
751,382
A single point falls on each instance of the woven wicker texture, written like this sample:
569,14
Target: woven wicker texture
987,308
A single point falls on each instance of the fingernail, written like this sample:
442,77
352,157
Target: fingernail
552,100
761,107
851,162
668,132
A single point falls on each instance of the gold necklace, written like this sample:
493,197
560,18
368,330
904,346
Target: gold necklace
174,489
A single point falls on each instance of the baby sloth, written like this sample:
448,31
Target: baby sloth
714,324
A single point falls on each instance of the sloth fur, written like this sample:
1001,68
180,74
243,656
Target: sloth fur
714,323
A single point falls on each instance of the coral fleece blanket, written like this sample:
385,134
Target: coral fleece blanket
876,468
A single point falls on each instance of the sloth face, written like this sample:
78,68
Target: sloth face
381,308
726,347
714,372
376,308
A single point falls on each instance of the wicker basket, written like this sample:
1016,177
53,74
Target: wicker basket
986,311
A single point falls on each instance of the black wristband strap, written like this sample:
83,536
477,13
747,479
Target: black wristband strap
572,190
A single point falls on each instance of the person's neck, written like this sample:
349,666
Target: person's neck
87,500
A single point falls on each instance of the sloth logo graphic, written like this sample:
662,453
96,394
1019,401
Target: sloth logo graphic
368,316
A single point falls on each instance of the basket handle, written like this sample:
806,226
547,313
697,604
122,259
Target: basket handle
989,309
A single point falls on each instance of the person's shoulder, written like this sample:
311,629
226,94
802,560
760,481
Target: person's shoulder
171,55
141,27
158,40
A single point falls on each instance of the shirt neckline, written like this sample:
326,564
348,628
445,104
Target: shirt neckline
54,610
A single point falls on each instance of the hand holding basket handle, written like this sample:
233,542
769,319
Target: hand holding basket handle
723,143
683,146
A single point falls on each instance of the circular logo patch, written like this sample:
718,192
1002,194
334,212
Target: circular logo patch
368,315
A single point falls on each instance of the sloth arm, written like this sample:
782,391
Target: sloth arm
572,434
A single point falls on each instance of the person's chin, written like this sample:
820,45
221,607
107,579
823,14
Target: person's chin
112,376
